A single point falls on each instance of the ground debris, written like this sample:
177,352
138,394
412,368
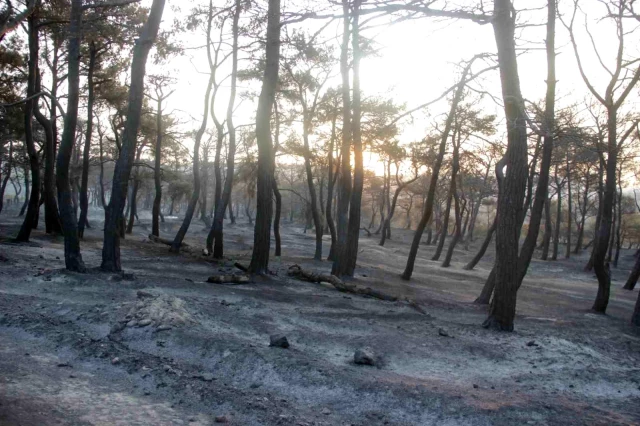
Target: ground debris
229,279
278,341
364,356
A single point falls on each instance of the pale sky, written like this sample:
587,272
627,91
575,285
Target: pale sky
418,60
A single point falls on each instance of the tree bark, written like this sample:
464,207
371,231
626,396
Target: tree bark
72,256
262,231
215,239
157,177
7,176
31,218
548,230
583,217
556,235
330,185
428,209
122,171
510,201
340,263
444,230
567,253
485,244
84,185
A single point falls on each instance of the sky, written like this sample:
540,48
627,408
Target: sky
417,60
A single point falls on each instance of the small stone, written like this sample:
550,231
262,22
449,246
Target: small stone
163,327
532,343
326,411
64,364
442,332
117,328
364,356
58,257
221,419
144,322
115,361
278,341
207,377
143,294
132,323
475,386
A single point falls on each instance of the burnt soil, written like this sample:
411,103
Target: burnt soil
159,345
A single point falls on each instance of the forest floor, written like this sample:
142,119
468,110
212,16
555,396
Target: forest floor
161,346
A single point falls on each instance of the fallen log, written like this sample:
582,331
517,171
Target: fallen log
298,272
229,279
164,241
241,266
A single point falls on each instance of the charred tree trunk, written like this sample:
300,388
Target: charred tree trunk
444,230
583,216
215,239
330,185
122,171
262,231
339,266
485,244
84,182
548,230
193,200
52,218
31,217
7,176
510,200
435,172
72,256
556,235
157,178
567,253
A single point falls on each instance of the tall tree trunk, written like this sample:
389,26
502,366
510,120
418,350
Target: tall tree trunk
635,318
31,218
191,207
458,216
84,186
262,231
618,223
444,230
548,230
72,256
216,236
276,190
133,209
157,181
428,209
583,217
52,220
510,201
23,209
633,276
540,200
315,209
347,266
340,266
330,185
485,244
556,235
567,253
7,176
589,266
122,171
